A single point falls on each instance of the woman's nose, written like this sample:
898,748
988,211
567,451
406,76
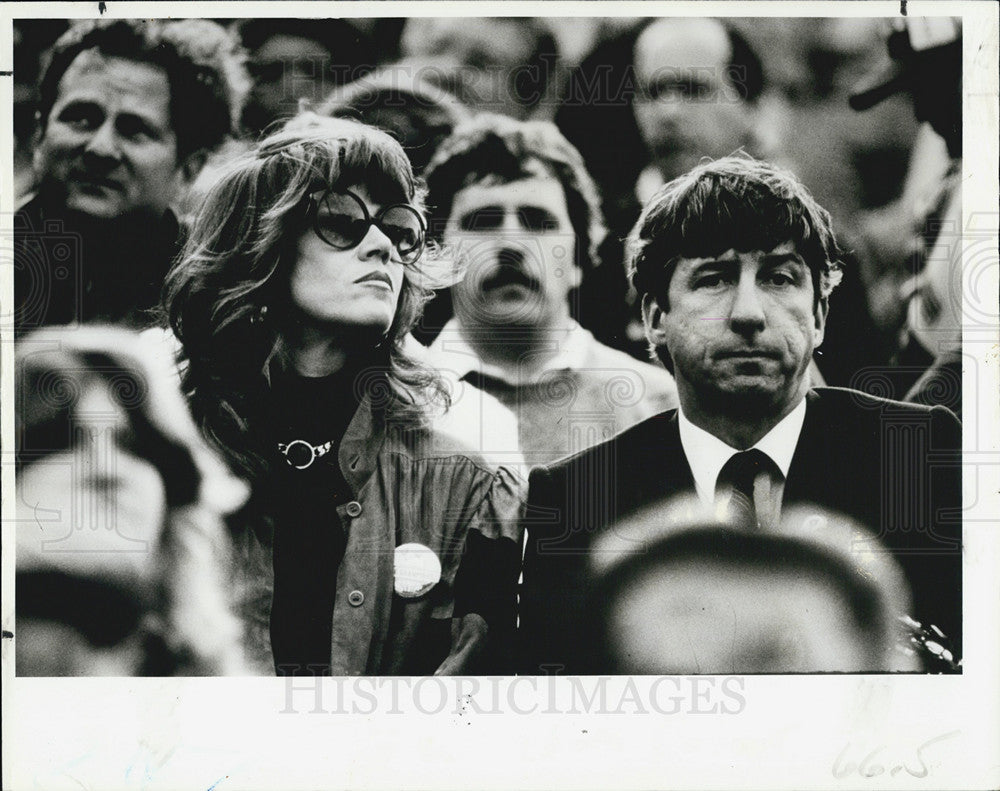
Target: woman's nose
375,244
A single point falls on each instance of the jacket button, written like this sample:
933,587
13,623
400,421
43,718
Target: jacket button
354,508
356,598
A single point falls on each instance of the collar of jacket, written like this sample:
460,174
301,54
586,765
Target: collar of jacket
360,446
31,205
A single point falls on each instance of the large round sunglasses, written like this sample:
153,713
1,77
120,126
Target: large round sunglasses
341,219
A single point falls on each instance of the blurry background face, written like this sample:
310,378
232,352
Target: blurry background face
358,287
90,519
97,494
285,67
471,58
418,114
850,161
108,143
517,245
707,617
687,106
292,59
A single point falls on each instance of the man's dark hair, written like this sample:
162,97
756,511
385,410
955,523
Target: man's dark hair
499,148
530,83
734,203
207,83
352,53
744,68
413,110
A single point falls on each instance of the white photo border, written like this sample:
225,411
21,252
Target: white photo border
767,732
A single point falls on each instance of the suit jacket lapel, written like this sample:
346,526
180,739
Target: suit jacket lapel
809,473
663,471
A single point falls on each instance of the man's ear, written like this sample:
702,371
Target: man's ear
652,320
574,276
821,311
36,140
192,165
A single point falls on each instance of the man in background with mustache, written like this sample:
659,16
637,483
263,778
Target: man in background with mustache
735,263
513,204
128,111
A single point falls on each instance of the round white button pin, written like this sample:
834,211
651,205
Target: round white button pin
416,569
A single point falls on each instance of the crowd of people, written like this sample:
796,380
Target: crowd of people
501,345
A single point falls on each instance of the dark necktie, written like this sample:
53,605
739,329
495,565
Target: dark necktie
739,473
486,382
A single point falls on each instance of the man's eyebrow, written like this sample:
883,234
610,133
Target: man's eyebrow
776,259
711,263
79,102
132,116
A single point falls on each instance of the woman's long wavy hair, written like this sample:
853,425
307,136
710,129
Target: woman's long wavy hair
227,298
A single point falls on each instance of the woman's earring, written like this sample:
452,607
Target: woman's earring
257,318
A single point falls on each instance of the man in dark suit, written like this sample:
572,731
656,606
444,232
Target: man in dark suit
735,263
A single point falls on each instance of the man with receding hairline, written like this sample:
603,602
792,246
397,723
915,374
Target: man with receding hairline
697,87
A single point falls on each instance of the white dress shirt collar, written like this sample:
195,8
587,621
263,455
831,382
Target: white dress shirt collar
706,454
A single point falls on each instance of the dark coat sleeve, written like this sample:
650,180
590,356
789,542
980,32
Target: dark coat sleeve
935,571
486,582
897,469
551,637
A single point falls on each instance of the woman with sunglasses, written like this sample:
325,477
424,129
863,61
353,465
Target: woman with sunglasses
368,549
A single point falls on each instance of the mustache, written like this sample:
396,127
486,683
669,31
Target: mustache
510,271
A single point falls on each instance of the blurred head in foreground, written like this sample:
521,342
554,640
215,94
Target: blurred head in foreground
121,550
818,594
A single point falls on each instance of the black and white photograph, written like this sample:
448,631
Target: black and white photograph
451,395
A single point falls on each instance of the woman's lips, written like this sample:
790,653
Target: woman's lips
378,279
